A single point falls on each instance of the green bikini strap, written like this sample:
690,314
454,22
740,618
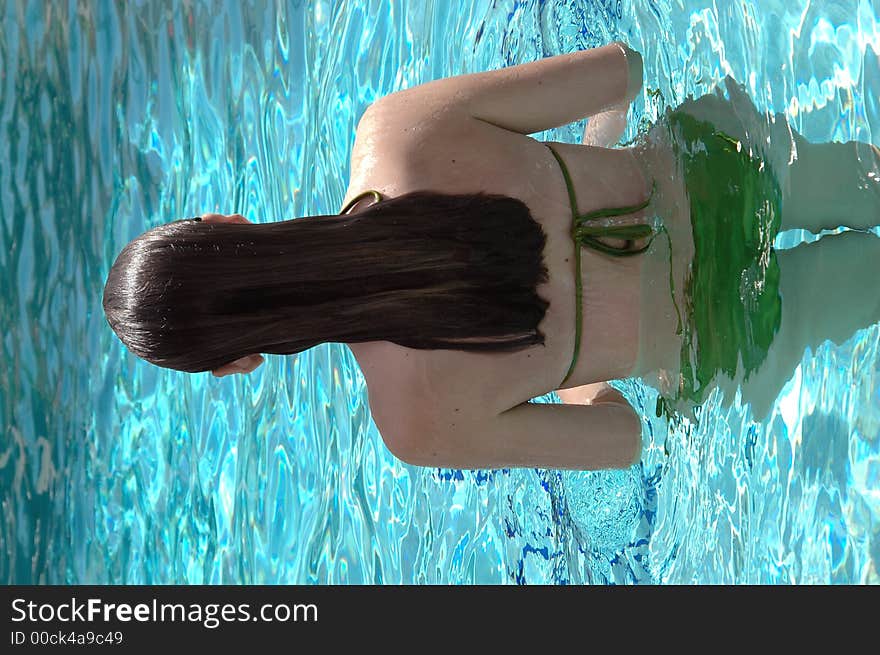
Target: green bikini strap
588,235
351,203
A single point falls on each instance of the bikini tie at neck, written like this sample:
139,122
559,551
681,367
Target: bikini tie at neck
377,197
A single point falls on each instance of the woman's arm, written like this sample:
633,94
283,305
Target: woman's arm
536,96
598,436
605,129
591,394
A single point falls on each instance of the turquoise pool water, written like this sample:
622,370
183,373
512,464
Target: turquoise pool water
113,471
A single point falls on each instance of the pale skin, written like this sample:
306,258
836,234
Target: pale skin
469,134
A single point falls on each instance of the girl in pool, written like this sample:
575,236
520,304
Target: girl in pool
473,267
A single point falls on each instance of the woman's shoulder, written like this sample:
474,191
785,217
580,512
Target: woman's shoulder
410,386
400,148
411,381
396,149
398,126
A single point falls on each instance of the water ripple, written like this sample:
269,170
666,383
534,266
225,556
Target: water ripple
115,118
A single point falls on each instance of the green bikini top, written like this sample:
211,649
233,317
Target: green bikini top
584,233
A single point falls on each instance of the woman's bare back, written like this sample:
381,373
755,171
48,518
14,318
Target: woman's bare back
408,147
469,134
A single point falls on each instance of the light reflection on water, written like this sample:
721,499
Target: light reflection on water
115,471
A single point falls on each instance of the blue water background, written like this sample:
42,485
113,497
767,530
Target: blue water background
117,117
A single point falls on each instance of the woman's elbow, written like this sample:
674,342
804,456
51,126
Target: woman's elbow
634,439
629,444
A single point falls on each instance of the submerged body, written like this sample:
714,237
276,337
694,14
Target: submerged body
730,308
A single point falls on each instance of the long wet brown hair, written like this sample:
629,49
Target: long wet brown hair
423,270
